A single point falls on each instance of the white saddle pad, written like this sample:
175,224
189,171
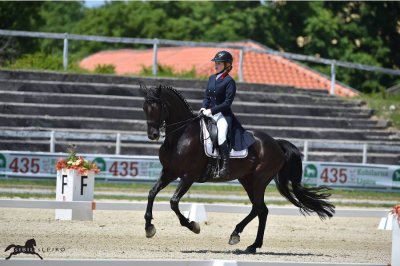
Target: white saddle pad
208,145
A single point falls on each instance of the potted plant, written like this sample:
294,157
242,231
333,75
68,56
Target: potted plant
76,163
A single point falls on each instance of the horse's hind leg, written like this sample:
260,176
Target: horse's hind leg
162,182
247,183
183,187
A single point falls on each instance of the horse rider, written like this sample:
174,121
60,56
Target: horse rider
218,98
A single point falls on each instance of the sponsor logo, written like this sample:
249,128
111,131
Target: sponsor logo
396,175
310,171
29,248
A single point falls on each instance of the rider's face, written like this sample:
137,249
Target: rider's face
219,66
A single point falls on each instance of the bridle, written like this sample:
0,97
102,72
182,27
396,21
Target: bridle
161,125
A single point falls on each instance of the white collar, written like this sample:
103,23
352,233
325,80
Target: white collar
219,75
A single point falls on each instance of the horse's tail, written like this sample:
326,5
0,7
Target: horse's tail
9,247
307,199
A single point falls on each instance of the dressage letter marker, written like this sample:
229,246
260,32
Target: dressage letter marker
72,186
83,184
63,183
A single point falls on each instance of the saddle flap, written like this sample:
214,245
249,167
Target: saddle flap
212,131
210,145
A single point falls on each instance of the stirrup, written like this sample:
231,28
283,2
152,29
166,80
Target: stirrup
223,176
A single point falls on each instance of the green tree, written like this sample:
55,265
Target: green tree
360,32
18,16
60,17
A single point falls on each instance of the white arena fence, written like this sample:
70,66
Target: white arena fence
141,206
36,165
54,136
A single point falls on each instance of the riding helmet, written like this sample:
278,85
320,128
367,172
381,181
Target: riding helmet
223,56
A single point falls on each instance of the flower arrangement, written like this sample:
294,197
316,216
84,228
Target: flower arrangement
396,212
76,163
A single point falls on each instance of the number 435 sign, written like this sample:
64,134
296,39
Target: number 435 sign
351,175
37,164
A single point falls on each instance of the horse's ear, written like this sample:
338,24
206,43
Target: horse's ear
143,89
158,88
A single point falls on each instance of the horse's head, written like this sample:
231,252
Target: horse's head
30,243
153,109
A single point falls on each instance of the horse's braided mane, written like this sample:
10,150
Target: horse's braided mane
177,93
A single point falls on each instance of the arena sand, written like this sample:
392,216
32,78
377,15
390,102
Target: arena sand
121,235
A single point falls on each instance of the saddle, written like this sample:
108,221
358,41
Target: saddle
209,138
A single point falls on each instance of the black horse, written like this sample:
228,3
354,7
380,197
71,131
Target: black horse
29,248
182,155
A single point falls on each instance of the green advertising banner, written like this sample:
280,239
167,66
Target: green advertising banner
351,175
41,164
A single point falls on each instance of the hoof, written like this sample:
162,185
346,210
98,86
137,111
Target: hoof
195,227
234,239
250,250
150,231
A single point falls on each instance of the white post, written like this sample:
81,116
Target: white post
305,150
72,186
333,79
395,242
118,144
365,149
155,48
52,141
65,53
241,54
197,213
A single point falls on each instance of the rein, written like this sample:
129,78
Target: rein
185,123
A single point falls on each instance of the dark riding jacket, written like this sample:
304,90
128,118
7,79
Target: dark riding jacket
218,97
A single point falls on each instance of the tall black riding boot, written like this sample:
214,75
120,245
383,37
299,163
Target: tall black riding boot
224,150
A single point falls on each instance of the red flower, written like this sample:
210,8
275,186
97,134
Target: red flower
77,163
396,212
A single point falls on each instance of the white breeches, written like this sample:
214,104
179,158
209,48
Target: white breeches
222,127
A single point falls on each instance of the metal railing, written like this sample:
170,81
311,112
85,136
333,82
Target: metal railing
119,138
159,42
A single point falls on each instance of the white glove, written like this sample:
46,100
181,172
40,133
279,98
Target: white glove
207,112
202,110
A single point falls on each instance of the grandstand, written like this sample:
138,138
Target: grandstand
103,114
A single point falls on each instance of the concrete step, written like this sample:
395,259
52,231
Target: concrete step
149,81
152,149
137,113
135,101
326,133
189,93
89,123
354,157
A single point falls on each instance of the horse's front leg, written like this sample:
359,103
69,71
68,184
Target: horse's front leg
162,182
13,253
182,188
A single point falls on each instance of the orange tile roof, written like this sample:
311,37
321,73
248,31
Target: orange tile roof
257,67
